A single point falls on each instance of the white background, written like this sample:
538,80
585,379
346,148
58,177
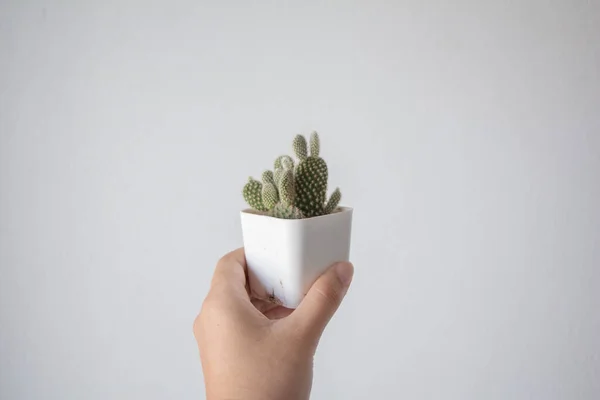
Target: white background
465,134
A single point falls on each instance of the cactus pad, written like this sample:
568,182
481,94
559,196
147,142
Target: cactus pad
287,189
311,186
253,194
277,176
300,149
267,177
333,202
282,161
315,145
270,197
286,212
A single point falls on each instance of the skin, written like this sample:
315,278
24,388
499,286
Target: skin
250,349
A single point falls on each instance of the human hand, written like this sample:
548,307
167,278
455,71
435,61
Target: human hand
254,350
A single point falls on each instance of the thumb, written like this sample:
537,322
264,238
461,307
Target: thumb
323,299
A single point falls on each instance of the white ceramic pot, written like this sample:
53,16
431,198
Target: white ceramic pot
286,256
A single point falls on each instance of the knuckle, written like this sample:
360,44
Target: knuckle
207,312
220,289
328,295
228,257
197,325
216,304
224,259
209,304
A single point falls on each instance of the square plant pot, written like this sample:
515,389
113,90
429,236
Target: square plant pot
286,256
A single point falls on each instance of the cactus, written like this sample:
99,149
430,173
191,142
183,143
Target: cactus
315,144
333,202
267,177
270,196
253,194
282,163
286,212
294,191
287,188
300,147
311,179
285,209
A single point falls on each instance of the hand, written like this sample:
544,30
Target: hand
254,350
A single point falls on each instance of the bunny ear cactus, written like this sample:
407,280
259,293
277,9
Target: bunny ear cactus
282,163
261,196
270,195
253,194
294,191
311,179
285,209
333,202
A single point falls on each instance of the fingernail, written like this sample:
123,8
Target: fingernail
344,271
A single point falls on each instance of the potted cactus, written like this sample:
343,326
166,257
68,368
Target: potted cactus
293,232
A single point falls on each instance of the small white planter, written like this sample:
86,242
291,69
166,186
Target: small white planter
286,256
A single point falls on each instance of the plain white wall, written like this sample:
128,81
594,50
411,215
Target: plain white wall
465,134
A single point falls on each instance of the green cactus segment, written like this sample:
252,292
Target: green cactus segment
270,197
300,147
267,177
311,186
315,145
277,177
277,164
284,162
253,194
286,212
333,202
287,163
287,189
